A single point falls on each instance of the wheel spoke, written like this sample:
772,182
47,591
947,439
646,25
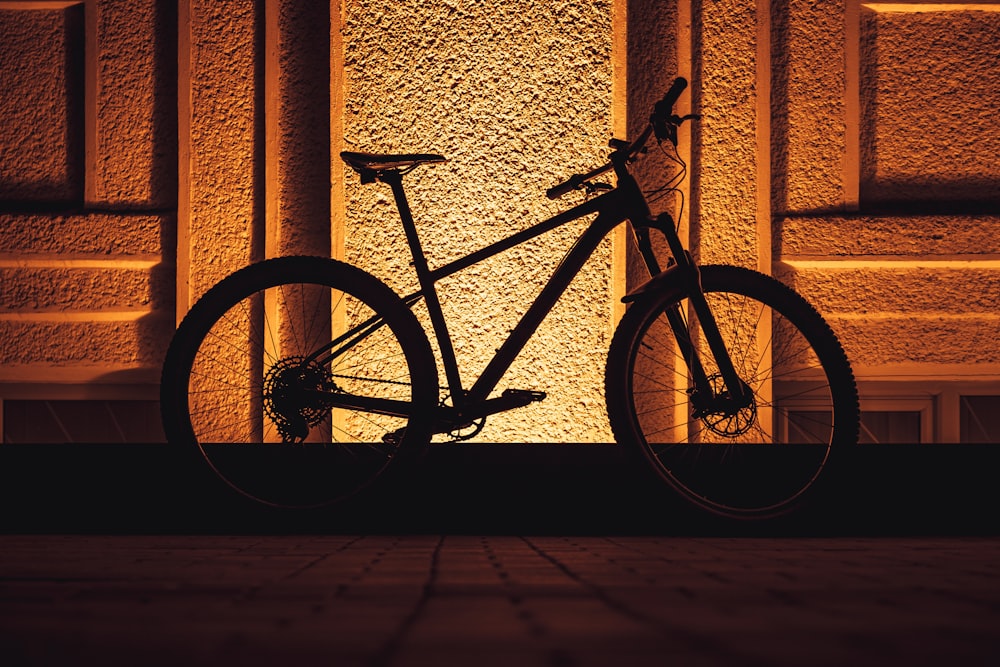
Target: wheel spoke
717,461
240,371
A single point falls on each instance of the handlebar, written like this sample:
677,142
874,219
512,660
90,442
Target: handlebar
662,122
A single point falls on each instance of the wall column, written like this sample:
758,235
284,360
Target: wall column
297,88
730,213
220,207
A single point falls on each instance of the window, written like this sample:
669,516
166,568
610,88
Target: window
884,420
877,426
884,426
64,421
979,419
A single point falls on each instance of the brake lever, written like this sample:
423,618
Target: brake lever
591,188
667,128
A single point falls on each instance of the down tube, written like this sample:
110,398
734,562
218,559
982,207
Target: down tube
570,265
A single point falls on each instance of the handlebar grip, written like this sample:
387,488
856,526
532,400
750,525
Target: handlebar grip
666,105
557,191
663,120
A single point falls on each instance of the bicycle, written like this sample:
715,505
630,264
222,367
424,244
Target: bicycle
707,364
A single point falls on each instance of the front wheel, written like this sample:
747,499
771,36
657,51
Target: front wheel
803,400
300,380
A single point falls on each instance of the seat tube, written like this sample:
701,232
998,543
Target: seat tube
395,181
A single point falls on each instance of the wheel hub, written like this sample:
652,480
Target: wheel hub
294,396
727,415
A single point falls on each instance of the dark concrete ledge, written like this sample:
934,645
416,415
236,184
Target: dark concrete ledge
509,488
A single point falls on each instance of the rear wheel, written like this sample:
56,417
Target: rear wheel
713,451
248,382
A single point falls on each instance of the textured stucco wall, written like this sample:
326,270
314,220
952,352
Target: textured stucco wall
808,105
914,291
652,65
86,222
299,72
41,104
911,281
886,236
83,295
222,209
135,119
930,91
518,95
724,201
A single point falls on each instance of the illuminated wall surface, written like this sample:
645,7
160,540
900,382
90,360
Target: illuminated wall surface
149,148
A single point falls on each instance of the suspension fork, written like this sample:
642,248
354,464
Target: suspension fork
703,396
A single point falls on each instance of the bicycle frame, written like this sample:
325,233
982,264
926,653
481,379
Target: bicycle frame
625,202
609,207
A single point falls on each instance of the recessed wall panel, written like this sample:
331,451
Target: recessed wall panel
930,90
41,105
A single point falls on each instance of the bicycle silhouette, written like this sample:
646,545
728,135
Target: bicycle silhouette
331,372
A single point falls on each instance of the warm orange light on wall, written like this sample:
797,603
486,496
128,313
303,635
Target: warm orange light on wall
147,154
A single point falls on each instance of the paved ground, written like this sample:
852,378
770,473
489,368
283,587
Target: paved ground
481,601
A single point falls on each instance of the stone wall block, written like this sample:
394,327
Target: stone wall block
94,235
921,291
808,105
85,290
39,351
42,105
930,89
955,235
874,341
135,152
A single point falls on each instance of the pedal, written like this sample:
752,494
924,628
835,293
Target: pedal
522,397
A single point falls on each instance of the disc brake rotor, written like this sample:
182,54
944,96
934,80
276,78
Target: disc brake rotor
729,421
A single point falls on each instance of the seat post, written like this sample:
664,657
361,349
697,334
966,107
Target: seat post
395,180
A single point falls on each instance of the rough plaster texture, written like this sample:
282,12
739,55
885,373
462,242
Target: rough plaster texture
93,235
61,290
808,91
518,96
935,340
651,58
920,290
652,65
222,216
41,105
867,235
932,298
300,224
38,351
135,159
913,291
66,279
724,228
87,293
930,91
